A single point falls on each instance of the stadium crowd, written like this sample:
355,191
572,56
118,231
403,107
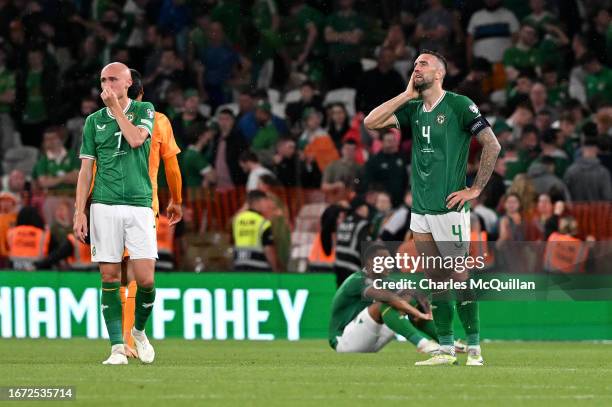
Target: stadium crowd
268,94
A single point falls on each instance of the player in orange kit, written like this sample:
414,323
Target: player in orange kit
163,147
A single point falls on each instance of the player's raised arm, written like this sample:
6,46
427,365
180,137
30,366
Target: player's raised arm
382,116
135,136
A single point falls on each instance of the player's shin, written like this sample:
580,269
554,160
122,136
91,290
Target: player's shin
442,307
400,324
467,309
111,309
145,297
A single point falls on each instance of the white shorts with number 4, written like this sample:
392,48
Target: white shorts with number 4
114,228
450,231
363,334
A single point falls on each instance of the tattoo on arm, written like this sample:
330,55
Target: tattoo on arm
490,151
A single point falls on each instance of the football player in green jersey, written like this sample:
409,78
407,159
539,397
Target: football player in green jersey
441,124
366,317
117,138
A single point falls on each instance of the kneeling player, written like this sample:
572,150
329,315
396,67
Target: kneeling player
365,319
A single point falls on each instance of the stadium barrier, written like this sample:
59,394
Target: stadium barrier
254,306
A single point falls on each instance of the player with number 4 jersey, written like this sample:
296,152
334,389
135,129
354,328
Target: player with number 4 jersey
441,124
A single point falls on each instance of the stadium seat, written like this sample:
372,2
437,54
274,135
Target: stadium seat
342,95
20,158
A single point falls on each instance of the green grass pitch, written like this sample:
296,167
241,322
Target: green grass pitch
281,373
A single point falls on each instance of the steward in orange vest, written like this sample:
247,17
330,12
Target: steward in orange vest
28,242
317,259
565,253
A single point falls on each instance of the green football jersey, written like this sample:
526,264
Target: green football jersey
347,304
440,144
122,174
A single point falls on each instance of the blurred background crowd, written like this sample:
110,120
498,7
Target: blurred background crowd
271,95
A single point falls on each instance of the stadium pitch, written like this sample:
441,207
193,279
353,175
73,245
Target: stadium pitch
281,373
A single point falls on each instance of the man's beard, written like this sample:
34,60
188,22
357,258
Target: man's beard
422,86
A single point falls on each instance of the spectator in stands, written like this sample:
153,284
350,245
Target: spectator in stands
519,93
379,84
397,225
383,212
61,223
597,34
306,44
8,138
248,124
396,41
220,62
175,101
250,165
194,163
337,123
292,171
528,149
57,168
586,178
472,85
524,189
567,136
315,143
267,135
344,34
434,28
603,121
227,145
36,100
490,32
558,92
190,117
598,81
75,124
169,70
544,120
387,169
343,174
548,144
9,207
488,216
539,16
542,174
524,54
309,99
547,215
538,97
511,225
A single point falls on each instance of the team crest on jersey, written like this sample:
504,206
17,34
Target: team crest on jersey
130,116
441,119
473,109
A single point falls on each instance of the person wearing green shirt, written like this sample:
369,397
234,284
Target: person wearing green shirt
117,138
598,82
365,317
57,168
266,137
344,32
442,125
194,163
524,54
305,27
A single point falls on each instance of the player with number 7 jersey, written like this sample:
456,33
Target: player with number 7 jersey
122,176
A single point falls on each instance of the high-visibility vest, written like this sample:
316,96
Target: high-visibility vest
81,254
317,259
27,244
248,228
565,254
479,247
409,248
165,236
